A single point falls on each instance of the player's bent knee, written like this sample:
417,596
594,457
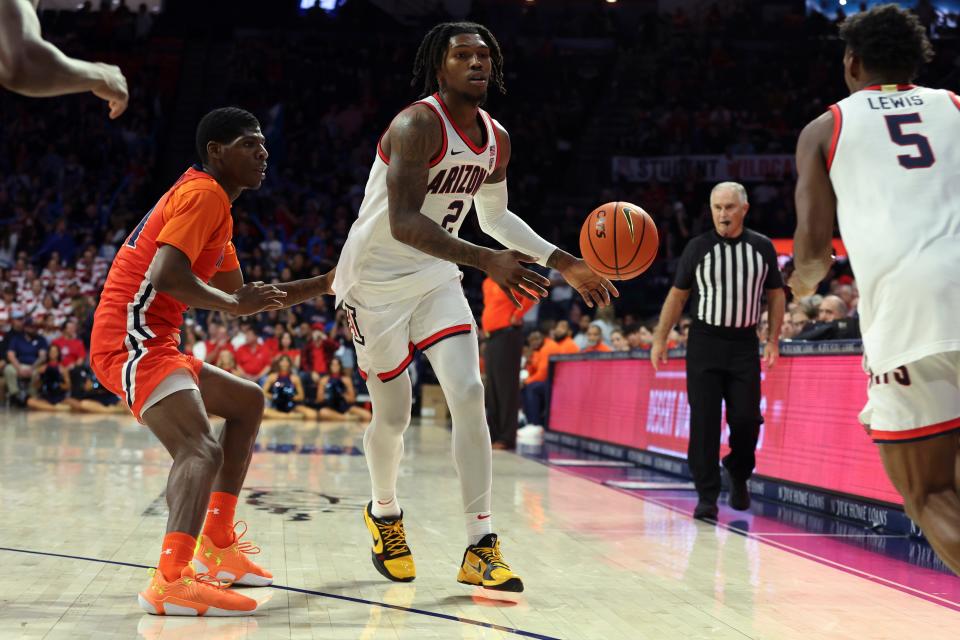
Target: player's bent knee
468,393
253,399
392,420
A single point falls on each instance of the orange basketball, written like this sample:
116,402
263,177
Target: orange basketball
619,240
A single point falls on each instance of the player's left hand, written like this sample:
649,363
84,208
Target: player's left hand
594,289
112,88
328,282
771,353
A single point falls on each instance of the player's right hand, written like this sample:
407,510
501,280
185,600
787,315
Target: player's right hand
112,88
513,278
254,297
658,354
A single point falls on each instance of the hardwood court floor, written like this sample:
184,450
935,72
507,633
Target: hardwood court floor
82,515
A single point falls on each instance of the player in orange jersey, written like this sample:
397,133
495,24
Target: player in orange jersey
181,255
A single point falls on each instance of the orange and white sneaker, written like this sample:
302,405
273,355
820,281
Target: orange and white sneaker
231,563
193,594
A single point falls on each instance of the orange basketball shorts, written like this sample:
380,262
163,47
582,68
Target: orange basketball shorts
132,368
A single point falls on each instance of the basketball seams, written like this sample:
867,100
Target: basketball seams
616,253
642,235
621,269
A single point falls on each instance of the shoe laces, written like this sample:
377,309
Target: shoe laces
394,537
246,546
491,555
205,579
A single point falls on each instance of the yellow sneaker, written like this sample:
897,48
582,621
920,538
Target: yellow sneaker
193,594
483,566
231,563
391,555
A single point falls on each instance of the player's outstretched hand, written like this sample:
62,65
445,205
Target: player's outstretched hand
594,288
513,278
112,88
254,297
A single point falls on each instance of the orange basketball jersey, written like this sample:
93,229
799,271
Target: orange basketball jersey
193,216
136,330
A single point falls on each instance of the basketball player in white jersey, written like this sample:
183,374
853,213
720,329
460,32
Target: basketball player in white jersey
886,160
398,280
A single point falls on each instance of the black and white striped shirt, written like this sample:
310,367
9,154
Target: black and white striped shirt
729,277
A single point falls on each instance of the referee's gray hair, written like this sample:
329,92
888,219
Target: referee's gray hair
736,186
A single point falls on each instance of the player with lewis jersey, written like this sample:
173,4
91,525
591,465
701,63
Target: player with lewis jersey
885,160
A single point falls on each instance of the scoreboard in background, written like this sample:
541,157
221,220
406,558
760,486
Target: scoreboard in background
810,403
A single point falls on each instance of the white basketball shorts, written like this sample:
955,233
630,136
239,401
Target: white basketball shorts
916,401
386,336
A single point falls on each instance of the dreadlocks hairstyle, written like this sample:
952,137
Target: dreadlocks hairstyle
889,40
223,125
434,47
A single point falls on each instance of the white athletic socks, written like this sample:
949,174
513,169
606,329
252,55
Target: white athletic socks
383,441
478,525
385,508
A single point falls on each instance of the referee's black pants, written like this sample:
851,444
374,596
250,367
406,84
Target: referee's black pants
502,355
722,369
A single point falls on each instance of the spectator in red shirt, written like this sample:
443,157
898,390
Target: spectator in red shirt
272,341
253,358
316,354
285,348
71,346
217,343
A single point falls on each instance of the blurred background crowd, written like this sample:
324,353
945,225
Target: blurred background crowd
585,84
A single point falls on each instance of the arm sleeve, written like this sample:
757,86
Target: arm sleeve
774,278
230,262
198,218
686,267
505,226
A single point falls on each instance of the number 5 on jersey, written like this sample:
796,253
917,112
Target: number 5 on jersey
925,157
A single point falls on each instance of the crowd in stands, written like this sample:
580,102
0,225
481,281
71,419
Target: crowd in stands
324,96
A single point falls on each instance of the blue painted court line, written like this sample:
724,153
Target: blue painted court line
311,592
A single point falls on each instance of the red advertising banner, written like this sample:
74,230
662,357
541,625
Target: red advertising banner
810,404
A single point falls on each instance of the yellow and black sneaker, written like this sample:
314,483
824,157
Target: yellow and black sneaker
391,555
483,566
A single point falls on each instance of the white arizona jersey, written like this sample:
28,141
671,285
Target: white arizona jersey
894,163
389,270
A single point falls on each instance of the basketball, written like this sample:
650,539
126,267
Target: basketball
619,240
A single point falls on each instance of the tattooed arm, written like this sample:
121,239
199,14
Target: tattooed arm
413,139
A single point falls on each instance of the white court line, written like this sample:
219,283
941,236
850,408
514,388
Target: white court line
661,486
669,452
575,462
816,535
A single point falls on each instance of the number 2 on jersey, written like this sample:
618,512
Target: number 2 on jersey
451,218
895,125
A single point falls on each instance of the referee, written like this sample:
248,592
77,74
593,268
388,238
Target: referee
728,269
